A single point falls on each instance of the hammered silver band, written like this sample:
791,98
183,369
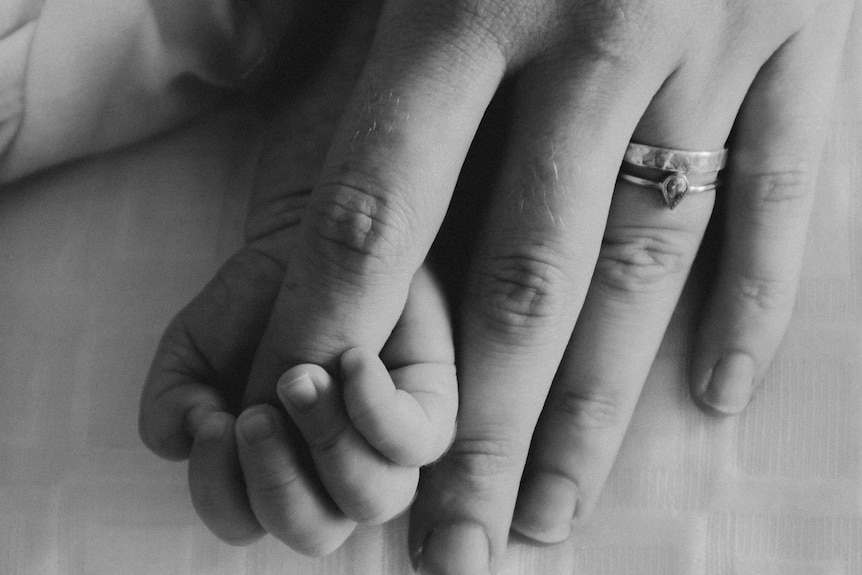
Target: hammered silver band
670,160
671,168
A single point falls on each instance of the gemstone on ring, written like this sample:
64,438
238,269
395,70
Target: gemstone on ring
674,188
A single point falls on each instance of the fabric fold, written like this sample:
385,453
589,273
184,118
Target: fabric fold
79,77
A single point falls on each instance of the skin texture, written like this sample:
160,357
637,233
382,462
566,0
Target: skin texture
573,277
367,430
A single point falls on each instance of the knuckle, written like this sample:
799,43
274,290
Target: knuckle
518,293
472,28
357,230
482,459
766,294
615,29
641,262
591,408
787,191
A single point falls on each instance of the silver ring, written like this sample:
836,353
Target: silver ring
673,188
670,160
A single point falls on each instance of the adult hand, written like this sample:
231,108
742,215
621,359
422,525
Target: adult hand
365,436
574,278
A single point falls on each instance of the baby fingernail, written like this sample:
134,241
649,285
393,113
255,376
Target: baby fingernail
462,549
256,426
212,430
731,384
299,391
547,506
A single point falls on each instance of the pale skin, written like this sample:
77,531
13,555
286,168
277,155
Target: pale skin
367,431
571,267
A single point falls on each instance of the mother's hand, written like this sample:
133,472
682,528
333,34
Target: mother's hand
571,282
367,435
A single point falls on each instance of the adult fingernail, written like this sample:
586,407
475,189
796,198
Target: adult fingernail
731,384
459,549
299,391
212,430
547,506
256,426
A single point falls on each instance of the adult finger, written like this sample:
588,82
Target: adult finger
217,490
646,255
383,191
286,497
531,274
366,486
775,154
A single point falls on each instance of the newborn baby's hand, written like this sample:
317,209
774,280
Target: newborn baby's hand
371,428
347,451
349,447
370,432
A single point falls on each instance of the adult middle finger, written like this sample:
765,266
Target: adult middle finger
530,286
574,114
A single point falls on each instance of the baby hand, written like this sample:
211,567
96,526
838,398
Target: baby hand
350,448
370,432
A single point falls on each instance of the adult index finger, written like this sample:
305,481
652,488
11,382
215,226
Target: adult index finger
383,191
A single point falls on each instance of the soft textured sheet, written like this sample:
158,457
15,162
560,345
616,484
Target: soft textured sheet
84,76
96,257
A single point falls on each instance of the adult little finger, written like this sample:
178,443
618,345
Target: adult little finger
775,156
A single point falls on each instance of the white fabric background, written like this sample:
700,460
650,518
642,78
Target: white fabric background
96,257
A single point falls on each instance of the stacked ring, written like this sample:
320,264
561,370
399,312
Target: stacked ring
671,169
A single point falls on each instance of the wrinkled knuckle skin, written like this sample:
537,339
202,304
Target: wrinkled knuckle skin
357,231
471,29
481,460
766,294
640,265
591,409
513,295
616,31
498,26
787,192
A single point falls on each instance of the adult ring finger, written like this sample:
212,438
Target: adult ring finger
675,173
